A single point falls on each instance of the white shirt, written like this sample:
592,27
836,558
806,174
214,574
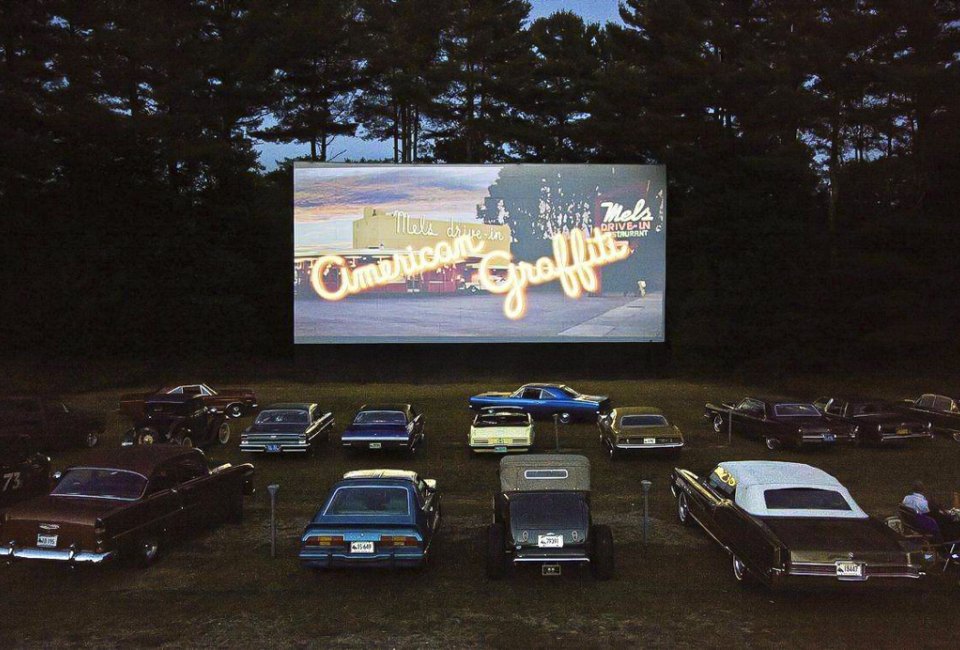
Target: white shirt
917,502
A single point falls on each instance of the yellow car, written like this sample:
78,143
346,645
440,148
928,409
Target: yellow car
500,430
638,428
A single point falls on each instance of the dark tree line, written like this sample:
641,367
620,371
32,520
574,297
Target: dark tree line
810,145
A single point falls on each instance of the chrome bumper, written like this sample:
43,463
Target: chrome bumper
58,555
285,447
656,445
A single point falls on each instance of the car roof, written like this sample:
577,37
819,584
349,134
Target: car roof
514,477
289,406
400,474
386,407
143,459
770,472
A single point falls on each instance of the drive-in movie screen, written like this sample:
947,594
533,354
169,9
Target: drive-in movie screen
483,253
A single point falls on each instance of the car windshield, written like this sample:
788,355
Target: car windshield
795,410
101,484
804,499
502,420
643,421
380,417
285,416
368,501
548,510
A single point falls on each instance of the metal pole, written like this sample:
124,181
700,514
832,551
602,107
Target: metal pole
645,484
273,489
556,431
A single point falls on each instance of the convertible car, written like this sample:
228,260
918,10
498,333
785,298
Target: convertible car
940,411
385,426
638,428
542,517
789,524
283,428
546,400
779,423
374,518
878,422
501,430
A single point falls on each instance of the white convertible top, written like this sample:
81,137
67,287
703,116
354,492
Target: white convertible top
544,472
755,477
382,473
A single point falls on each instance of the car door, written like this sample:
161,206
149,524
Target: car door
531,399
742,422
745,537
161,509
199,499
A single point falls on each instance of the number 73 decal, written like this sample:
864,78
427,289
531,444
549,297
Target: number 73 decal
10,481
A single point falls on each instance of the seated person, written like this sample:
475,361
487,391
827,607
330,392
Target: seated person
929,518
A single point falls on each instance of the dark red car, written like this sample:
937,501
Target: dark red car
233,402
126,503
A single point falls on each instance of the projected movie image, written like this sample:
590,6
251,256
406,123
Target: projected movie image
482,253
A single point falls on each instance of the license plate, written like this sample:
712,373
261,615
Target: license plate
850,570
361,547
500,449
550,569
375,445
47,541
550,541
903,431
273,448
829,437
649,441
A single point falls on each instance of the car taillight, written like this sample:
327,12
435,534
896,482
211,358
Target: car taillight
399,540
324,540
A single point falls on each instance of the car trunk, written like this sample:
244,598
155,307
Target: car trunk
828,540
376,431
70,520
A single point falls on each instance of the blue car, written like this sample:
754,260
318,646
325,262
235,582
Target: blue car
546,400
374,518
385,426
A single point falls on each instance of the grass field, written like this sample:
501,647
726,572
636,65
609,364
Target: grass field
222,587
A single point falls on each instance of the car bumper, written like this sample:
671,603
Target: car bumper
892,439
366,442
482,447
550,556
282,447
336,559
56,555
631,446
800,574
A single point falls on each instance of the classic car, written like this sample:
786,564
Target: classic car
374,518
638,428
779,423
177,420
282,428
24,472
385,426
501,430
126,503
546,400
50,422
235,402
789,524
542,517
940,411
879,422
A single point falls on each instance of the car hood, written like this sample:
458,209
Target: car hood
834,536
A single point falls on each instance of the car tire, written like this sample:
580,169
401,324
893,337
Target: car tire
235,410
565,418
718,423
496,545
223,433
773,444
683,510
91,439
147,437
741,573
602,552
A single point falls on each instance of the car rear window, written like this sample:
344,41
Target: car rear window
503,420
643,421
282,417
380,417
791,410
804,499
368,501
101,484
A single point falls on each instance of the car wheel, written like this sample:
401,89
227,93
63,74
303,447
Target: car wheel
565,418
772,444
602,552
683,510
718,423
235,410
741,573
92,439
146,438
496,545
223,433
